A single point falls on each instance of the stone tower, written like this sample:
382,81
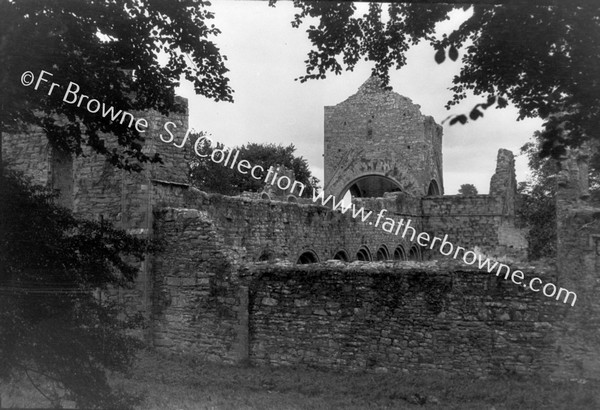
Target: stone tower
378,141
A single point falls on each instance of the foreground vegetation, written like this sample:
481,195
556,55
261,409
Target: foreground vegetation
169,383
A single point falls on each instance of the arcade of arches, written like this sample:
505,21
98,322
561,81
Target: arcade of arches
364,254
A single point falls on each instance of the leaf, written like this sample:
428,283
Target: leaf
491,100
453,53
502,102
440,56
459,118
475,113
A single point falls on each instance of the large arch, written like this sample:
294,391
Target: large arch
371,186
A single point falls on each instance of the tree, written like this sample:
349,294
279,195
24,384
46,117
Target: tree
545,59
467,189
537,198
213,177
110,50
54,327
536,204
57,57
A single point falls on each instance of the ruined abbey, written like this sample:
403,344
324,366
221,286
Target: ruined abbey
265,279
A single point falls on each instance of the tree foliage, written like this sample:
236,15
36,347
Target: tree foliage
51,325
467,189
537,198
97,45
536,204
54,326
213,177
545,59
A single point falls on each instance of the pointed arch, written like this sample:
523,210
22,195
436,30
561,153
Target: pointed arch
364,254
414,253
399,253
383,254
341,255
434,188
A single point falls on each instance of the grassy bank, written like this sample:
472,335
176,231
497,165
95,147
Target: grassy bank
176,384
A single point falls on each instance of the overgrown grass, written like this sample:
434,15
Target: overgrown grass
180,384
177,384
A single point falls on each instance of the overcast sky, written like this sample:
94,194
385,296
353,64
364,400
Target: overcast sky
265,53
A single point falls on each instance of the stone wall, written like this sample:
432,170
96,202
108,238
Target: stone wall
194,296
204,306
95,189
485,221
474,221
29,153
414,318
468,221
209,302
252,228
378,317
578,266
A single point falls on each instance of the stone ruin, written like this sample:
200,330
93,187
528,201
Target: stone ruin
239,279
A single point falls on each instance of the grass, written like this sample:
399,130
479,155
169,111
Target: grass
178,384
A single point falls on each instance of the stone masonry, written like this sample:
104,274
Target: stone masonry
227,285
377,134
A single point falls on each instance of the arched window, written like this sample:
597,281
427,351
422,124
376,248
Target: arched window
414,254
341,255
399,253
433,189
363,254
382,253
307,257
265,256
